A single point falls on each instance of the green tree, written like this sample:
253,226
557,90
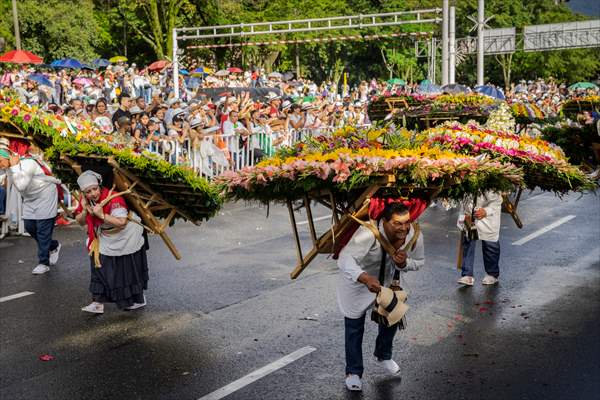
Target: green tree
54,28
153,21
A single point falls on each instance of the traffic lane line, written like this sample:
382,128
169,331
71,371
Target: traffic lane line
258,374
15,296
543,230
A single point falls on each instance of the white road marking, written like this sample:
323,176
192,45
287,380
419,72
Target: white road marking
15,296
258,374
314,219
543,230
535,196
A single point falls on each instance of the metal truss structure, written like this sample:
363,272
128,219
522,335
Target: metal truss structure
311,25
275,28
570,35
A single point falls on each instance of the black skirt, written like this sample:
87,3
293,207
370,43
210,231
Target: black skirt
121,279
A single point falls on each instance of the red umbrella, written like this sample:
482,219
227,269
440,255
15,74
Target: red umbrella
20,57
158,65
235,70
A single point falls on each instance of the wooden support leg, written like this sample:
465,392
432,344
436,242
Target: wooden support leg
311,223
122,184
510,207
295,231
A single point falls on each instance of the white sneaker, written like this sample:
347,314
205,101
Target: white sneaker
466,280
94,308
54,255
390,365
40,269
489,280
353,383
135,306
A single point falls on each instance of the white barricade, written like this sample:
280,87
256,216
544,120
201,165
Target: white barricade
214,154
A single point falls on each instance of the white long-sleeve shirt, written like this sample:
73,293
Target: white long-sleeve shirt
40,197
488,228
363,254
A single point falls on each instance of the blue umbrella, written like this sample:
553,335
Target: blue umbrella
87,66
491,91
184,72
55,63
101,62
41,79
429,88
70,63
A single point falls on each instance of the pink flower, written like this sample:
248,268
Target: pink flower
14,111
27,117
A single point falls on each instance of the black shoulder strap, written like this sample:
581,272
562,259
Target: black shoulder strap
382,266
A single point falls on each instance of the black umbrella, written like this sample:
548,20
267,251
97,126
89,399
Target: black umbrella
288,76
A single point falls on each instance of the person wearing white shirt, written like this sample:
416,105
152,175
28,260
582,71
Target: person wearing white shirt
480,220
360,262
40,204
236,135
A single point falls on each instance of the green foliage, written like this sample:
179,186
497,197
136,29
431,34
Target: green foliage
55,28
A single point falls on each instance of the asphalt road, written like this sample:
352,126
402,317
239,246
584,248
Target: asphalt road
228,309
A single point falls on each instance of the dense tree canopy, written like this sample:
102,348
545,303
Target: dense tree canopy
141,30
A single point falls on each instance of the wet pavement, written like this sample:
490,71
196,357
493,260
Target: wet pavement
228,308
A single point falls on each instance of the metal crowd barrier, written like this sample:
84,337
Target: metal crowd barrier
214,154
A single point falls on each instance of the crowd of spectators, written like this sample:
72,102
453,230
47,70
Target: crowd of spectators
236,111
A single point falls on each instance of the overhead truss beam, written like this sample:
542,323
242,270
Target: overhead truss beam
311,25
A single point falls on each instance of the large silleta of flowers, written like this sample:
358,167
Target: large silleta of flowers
346,170
158,191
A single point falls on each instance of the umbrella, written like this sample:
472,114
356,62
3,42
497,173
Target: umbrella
235,70
158,65
275,75
41,79
83,81
491,91
101,62
117,59
454,88
288,76
55,63
88,66
69,63
184,72
396,81
20,57
222,72
429,88
199,72
583,85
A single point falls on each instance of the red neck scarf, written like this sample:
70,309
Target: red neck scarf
94,222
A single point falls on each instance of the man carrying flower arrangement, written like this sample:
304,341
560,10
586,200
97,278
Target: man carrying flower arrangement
33,179
366,269
480,220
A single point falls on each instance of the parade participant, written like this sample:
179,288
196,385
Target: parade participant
360,262
118,264
480,220
38,188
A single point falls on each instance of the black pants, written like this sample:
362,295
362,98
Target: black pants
354,330
41,230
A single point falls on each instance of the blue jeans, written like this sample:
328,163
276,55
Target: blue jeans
2,200
354,330
491,257
41,230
